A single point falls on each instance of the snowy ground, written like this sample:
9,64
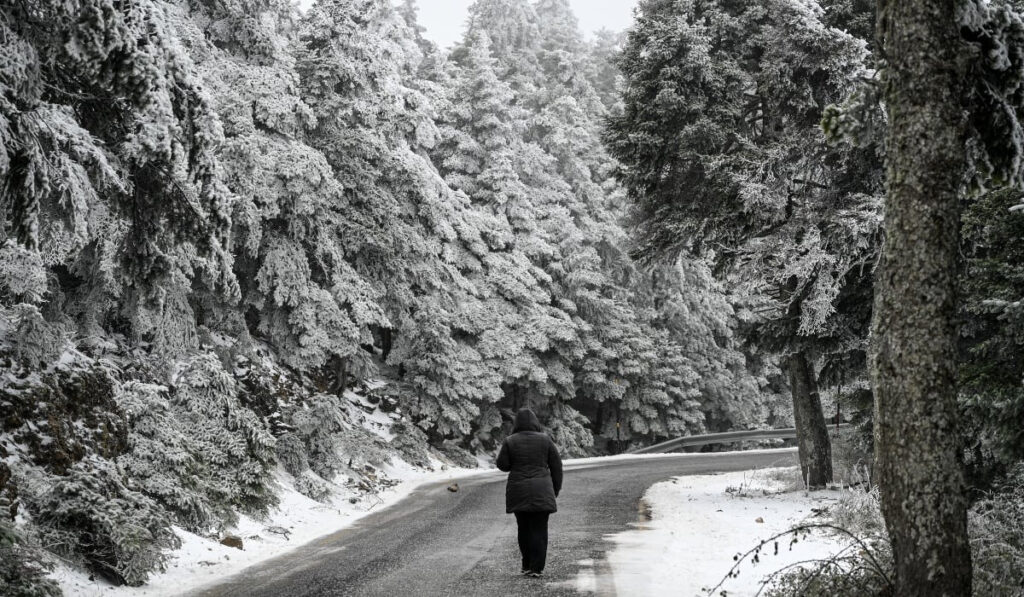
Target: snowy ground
202,561
699,523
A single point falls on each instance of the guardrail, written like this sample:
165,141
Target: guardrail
727,437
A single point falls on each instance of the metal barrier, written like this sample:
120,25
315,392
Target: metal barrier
727,437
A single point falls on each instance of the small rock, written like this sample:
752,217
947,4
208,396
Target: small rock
232,541
759,520
453,487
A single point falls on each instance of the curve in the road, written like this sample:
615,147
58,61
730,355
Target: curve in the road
438,543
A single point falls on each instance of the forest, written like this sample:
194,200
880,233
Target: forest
228,223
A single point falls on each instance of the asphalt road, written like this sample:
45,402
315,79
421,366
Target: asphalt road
438,543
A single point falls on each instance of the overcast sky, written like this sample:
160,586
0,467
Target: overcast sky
444,19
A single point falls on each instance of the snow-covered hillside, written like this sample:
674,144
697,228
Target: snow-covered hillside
295,521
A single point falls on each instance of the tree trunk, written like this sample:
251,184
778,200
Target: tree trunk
386,343
341,377
813,442
913,367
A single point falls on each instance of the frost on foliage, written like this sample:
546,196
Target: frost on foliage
448,380
63,430
325,442
996,525
289,217
314,442
235,447
738,92
291,449
694,306
164,462
410,441
24,570
89,513
53,415
22,274
570,430
994,32
27,336
77,175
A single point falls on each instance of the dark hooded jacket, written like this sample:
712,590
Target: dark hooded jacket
533,464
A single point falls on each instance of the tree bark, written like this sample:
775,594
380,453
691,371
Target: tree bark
913,357
386,343
813,443
341,377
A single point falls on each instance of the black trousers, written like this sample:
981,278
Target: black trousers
533,539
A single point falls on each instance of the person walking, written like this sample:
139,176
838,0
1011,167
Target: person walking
534,480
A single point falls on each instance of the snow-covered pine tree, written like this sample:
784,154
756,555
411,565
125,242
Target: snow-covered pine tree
406,232
693,307
514,34
123,198
606,78
301,294
749,180
532,117
526,338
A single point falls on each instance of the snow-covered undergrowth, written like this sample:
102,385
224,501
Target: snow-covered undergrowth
297,520
126,470
698,524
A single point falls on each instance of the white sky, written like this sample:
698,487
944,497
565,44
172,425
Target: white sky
444,19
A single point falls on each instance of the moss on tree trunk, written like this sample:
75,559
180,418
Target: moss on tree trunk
913,366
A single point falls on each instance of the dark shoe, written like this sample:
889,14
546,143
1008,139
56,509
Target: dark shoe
524,572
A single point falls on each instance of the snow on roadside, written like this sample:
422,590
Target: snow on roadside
201,561
700,522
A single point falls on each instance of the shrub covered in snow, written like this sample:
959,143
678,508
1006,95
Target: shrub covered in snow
828,579
29,338
313,486
310,450
318,424
411,443
22,568
89,514
458,455
164,461
360,447
997,539
234,448
570,432
57,414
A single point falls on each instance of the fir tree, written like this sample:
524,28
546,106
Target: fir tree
722,153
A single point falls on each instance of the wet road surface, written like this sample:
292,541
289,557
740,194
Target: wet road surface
439,543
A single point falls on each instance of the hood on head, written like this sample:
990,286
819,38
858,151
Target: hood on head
526,420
